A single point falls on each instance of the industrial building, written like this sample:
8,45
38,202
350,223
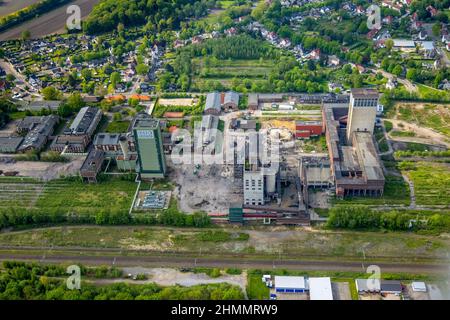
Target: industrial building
363,111
368,285
320,289
10,144
308,129
212,105
254,187
254,99
215,102
148,141
127,160
107,142
230,101
38,131
92,166
355,165
243,124
205,130
315,172
290,284
78,135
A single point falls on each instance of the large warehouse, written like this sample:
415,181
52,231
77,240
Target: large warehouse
286,284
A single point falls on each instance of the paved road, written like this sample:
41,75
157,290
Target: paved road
221,262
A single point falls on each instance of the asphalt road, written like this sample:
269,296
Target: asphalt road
118,259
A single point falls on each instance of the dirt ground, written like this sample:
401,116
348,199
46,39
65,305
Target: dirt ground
319,199
44,170
423,135
188,102
207,191
171,277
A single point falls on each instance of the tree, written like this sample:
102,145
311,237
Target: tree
115,79
389,43
142,69
51,93
398,70
436,29
86,74
26,34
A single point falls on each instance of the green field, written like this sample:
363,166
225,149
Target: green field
224,71
431,182
289,243
66,195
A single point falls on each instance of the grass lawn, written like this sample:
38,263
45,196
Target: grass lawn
117,127
225,71
68,196
256,289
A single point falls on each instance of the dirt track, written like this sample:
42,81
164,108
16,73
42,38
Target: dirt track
49,23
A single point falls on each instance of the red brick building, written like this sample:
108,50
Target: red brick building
307,129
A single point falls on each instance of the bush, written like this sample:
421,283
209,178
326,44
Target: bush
233,271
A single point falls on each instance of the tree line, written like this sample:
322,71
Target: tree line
20,217
27,281
360,217
159,15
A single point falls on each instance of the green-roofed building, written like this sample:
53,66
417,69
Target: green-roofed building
149,146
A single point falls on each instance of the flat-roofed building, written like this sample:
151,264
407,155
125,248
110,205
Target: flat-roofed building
368,285
149,147
290,284
253,187
92,166
107,142
308,129
320,289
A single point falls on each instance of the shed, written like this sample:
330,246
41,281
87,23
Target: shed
286,284
320,289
